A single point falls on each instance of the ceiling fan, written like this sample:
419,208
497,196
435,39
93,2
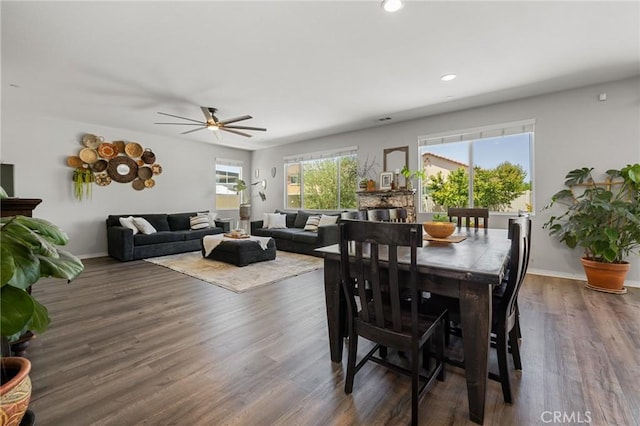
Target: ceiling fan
214,124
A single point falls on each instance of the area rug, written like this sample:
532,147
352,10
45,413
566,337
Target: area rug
235,278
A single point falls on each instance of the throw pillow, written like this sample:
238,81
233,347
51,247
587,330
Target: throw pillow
312,223
277,221
327,220
201,221
144,226
127,222
265,220
211,216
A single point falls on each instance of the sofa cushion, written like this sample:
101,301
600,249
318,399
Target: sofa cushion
180,221
291,217
127,222
157,238
200,221
284,234
195,234
301,218
307,237
277,221
262,232
144,226
312,224
327,220
158,221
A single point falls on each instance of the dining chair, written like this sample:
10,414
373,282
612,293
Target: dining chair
355,214
468,214
377,310
398,214
378,215
505,324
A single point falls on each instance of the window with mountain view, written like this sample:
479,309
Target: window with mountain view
487,167
322,181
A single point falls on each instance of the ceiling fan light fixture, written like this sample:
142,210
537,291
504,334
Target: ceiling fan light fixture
392,5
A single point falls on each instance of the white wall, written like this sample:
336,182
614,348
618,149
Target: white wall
39,149
573,129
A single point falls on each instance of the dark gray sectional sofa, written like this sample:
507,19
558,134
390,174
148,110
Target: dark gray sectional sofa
174,236
294,238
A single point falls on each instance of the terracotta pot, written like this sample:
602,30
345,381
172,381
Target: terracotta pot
245,212
371,185
15,391
609,276
439,229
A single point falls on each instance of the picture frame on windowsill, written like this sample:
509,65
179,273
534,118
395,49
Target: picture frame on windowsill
386,180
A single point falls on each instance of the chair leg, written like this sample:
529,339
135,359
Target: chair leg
351,363
515,348
501,346
415,384
517,325
441,341
383,352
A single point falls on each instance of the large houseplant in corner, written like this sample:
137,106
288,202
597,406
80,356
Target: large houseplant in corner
604,219
28,252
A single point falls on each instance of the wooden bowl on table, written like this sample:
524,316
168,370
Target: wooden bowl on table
439,229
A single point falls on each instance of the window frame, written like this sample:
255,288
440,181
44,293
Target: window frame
237,164
476,134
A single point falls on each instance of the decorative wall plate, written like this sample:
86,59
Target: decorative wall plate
122,169
100,166
138,184
144,173
88,155
92,141
119,146
103,179
149,183
107,150
74,161
133,149
156,169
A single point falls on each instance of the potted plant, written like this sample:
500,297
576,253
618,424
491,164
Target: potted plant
410,174
439,226
604,219
245,199
28,252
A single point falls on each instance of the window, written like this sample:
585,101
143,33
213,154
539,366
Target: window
228,172
486,167
322,181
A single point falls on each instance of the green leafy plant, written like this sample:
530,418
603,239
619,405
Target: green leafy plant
601,217
440,218
410,174
28,249
83,179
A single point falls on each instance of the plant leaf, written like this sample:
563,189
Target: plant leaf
16,310
8,267
65,266
48,230
40,320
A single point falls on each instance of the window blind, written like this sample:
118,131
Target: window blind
342,152
505,129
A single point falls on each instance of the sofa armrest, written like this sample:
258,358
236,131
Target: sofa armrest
256,224
225,225
120,242
328,235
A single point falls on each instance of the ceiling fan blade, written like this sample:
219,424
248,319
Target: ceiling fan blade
236,132
233,120
207,113
183,124
194,130
183,118
261,129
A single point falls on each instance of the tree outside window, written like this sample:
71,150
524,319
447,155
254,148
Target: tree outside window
489,172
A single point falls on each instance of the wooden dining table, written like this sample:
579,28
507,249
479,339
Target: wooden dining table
467,270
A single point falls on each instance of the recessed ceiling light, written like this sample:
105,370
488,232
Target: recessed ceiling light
448,77
392,5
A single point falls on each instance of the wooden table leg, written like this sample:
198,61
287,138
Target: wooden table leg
336,308
475,312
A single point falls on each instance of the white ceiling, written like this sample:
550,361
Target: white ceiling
302,69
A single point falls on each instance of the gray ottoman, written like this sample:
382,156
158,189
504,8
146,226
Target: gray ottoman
242,252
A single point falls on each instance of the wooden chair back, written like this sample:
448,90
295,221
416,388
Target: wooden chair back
468,214
520,236
378,288
357,215
378,215
398,215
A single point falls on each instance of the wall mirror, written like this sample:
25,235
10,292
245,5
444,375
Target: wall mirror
396,158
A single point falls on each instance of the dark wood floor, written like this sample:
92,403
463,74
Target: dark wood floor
136,343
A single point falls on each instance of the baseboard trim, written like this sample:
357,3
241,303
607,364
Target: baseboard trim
578,277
